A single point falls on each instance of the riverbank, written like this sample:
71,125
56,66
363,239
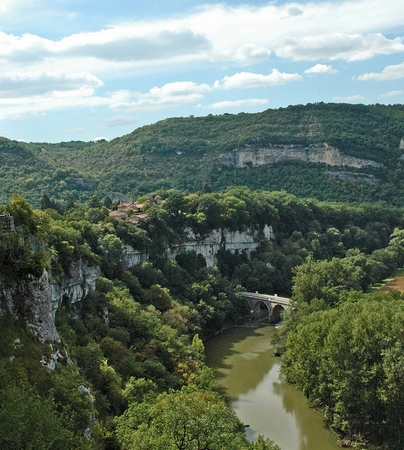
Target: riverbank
246,369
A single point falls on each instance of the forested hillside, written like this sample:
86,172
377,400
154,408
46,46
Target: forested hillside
117,362
185,153
128,371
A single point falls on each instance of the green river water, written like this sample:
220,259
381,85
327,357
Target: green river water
246,368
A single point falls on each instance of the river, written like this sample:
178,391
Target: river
246,368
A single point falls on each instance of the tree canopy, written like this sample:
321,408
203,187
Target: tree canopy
130,364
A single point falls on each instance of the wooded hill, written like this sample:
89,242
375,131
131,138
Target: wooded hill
185,153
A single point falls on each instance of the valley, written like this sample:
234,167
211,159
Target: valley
120,260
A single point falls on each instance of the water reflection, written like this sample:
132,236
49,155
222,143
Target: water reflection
249,373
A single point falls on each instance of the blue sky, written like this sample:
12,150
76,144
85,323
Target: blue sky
86,69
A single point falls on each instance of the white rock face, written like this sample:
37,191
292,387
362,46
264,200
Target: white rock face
42,297
318,154
54,358
132,257
80,283
207,245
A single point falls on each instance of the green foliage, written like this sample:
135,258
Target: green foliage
182,153
186,420
136,357
39,408
27,421
21,253
325,279
215,299
72,400
350,368
112,251
69,245
17,261
159,297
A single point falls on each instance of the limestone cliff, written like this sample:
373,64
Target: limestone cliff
401,147
272,154
207,245
36,300
133,257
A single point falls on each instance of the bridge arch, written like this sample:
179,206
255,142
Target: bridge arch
277,311
273,303
256,306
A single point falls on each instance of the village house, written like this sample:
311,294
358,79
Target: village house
128,211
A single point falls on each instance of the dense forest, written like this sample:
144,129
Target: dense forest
185,153
129,369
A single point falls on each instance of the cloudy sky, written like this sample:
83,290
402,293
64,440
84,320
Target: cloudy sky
84,69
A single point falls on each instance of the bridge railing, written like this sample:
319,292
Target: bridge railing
266,297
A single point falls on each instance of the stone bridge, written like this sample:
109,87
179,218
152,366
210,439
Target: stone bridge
273,303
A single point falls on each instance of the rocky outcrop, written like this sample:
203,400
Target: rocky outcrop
355,177
38,299
80,282
132,257
207,245
272,154
401,147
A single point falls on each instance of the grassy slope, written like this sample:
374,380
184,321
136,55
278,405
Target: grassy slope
395,283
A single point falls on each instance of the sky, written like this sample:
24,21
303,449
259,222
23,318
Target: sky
89,69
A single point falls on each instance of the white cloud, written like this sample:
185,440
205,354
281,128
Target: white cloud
75,130
116,45
100,138
24,115
253,80
118,121
391,94
42,72
133,44
225,105
23,85
321,68
352,99
394,72
251,52
67,92
348,30
33,105
171,94
4,5
26,49
353,47
21,6
295,11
